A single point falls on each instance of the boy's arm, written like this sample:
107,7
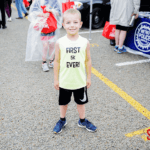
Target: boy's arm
56,66
88,65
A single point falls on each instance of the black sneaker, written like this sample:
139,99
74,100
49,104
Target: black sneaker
19,18
4,27
26,14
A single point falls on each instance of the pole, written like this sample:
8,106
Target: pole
90,22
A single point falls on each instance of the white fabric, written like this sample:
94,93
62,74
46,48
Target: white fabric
34,46
136,52
121,11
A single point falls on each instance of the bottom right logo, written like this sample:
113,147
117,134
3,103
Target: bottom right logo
148,132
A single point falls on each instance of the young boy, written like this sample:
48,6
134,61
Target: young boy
72,55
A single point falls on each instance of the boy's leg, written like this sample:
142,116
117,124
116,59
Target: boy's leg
62,122
63,110
64,99
81,98
84,123
81,111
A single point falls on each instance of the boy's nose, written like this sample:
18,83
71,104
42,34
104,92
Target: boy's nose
72,24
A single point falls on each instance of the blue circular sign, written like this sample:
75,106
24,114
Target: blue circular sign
142,37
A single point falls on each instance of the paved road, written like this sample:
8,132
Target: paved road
119,101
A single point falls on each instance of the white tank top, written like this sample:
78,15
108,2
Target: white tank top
72,63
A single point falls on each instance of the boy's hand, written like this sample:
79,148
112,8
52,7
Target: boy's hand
88,83
56,85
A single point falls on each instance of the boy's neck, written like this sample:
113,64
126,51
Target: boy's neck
73,37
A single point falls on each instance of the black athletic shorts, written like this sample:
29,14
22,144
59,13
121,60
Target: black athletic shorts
122,28
80,96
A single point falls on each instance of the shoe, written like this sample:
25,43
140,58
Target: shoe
9,19
26,14
112,42
59,125
4,27
19,18
51,65
116,48
88,125
45,67
121,50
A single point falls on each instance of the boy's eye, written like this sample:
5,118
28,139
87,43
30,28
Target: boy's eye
68,22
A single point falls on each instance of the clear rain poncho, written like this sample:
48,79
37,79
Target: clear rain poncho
37,48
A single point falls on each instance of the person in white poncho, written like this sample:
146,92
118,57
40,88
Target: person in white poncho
38,42
120,15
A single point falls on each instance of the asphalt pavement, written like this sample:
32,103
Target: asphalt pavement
119,98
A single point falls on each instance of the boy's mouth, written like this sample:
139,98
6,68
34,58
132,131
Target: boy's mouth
72,29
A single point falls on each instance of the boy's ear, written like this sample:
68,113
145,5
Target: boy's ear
81,23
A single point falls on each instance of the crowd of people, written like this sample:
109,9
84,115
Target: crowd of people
5,6
72,51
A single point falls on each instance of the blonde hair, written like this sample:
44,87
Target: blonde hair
71,11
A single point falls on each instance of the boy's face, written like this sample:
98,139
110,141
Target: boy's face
72,23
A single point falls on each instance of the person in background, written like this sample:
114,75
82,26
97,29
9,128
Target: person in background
8,9
41,44
120,15
21,8
2,9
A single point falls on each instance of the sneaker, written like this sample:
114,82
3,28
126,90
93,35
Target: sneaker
116,48
4,27
120,50
45,67
88,125
9,19
19,18
59,125
51,65
26,14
